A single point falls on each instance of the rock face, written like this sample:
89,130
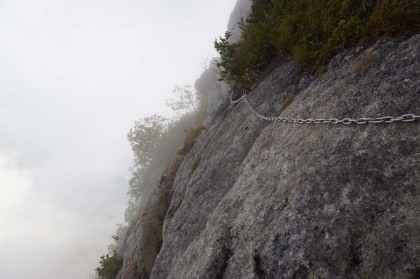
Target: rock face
240,11
215,92
256,199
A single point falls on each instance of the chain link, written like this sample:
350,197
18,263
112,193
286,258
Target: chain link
345,121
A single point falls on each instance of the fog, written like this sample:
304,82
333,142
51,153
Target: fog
74,76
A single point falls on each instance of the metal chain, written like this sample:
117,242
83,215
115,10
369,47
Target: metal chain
345,121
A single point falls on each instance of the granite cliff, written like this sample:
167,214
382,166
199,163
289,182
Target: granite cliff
260,199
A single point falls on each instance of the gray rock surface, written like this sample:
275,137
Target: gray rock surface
255,199
240,11
215,92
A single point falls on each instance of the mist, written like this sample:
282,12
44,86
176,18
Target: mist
74,77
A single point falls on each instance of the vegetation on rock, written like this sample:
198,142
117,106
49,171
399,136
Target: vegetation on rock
154,141
311,32
109,266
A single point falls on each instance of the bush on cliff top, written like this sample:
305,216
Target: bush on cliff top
311,31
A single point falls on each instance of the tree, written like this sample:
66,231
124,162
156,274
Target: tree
154,140
132,207
186,99
229,69
144,138
137,179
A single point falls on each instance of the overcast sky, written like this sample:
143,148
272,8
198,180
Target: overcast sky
74,76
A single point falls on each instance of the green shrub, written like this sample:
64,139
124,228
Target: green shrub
311,32
109,266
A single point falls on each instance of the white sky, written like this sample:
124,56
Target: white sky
74,76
